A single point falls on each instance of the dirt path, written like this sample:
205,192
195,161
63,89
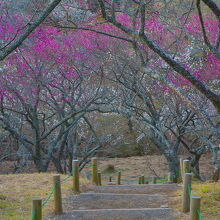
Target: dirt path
124,202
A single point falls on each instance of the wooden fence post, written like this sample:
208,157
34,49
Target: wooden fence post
142,179
173,178
119,178
186,167
139,180
195,207
36,209
57,195
154,180
76,176
169,177
181,169
94,171
99,179
186,192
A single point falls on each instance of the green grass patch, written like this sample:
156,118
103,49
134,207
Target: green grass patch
162,180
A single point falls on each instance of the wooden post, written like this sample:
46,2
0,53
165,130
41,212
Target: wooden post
186,192
142,179
57,195
99,179
186,167
181,169
110,179
154,180
139,180
169,177
119,178
36,209
94,171
172,177
76,176
195,207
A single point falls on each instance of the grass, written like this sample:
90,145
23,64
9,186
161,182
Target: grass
210,199
132,167
210,194
17,191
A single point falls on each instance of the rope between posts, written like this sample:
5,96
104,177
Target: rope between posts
162,180
49,197
33,215
165,179
53,190
199,214
189,192
71,173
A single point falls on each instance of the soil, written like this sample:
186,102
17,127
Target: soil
118,202
124,202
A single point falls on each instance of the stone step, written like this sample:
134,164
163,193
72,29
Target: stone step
163,189
119,214
85,201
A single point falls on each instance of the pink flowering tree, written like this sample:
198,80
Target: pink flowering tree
188,49
45,92
180,52
167,55
14,29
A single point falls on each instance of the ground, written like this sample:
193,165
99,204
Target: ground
17,190
210,202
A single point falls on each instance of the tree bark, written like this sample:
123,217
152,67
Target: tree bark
30,28
173,165
177,66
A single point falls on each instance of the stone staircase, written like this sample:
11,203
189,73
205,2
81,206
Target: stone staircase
120,202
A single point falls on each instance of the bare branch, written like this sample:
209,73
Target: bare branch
30,28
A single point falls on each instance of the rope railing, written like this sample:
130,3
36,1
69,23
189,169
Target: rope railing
96,179
163,180
190,196
189,190
199,214
66,178
53,190
190,203
49,197
33,215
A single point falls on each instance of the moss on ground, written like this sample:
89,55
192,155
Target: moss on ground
17,191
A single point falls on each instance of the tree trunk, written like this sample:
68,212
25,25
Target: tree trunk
170,153
57,164
216,162
41,167
216,174
173,165
70,154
